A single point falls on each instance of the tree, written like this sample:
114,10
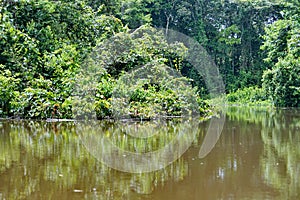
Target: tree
145,72
233,29
43,44
282,81
135,13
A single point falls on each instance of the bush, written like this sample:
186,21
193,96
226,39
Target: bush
282,83
248,96
152,91
8,84
43,44
103,97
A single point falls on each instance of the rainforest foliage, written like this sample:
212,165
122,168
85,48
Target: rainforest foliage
45,46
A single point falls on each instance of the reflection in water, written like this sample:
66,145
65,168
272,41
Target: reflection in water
280,162
256,157
212,136
41,159
118,149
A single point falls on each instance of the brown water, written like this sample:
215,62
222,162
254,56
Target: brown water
257,156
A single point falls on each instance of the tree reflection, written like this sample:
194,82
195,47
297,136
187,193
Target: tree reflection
280,162
39,159
161,143
256,157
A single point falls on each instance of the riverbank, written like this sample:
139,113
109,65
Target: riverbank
251,96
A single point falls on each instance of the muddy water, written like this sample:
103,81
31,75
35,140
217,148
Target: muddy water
257,156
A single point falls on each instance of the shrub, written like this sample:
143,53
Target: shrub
282,83
8,92
248,96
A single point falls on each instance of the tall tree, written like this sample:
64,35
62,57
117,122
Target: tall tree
282,43
234,30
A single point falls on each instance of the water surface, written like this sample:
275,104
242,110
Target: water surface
257,156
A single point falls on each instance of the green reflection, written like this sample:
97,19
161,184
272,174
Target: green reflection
280,162
256,157
280,159
256,115
47,160
141,146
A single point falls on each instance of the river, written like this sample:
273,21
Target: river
256,156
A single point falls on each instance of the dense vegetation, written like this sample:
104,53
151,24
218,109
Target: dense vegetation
45,45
